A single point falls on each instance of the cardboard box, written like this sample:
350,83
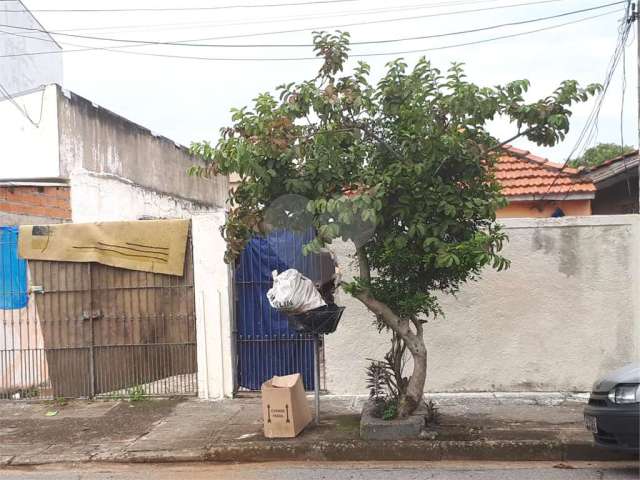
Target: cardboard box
285,409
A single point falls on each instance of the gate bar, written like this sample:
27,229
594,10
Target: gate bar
316,375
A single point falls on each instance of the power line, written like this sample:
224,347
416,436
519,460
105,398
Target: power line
590,129
306,45
5,93
326,27
179,26
364,55
180,9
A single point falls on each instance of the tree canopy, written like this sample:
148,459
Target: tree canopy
600,153
410,156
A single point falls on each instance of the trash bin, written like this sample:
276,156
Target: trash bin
321,320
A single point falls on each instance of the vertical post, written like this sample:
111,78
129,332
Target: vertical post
634,18
92,359
316,375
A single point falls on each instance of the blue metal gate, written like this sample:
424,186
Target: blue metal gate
266,345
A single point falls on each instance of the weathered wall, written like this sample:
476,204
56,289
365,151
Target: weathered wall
108,198
565,312
93,139
21,73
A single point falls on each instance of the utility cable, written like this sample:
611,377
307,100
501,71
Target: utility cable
5,93
330,27
180,9
589,131
353,55
297,18
306,45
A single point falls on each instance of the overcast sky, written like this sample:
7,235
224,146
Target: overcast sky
189,100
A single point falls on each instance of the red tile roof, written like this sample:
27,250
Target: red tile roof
522,173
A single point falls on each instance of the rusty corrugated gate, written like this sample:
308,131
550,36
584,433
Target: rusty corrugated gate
98,330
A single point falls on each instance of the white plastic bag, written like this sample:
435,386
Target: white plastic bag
294,293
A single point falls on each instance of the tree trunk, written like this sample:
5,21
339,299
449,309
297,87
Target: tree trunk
413,340
415,389
415,343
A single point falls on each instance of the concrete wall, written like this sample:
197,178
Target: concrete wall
93,139
564,313
21,73
29,139
96,198
214,308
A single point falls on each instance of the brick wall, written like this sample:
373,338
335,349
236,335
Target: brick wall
41,201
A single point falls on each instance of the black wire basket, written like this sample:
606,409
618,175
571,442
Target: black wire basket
322,320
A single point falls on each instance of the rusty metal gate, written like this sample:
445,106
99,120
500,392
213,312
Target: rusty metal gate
91,330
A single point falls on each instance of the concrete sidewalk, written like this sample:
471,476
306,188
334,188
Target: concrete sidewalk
231,431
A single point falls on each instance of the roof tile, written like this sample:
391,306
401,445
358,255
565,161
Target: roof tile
522,173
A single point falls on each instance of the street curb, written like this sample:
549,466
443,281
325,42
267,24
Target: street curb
416,450
348,451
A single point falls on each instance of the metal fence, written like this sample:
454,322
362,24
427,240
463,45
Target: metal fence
266,345
90,330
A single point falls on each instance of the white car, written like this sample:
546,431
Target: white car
613,412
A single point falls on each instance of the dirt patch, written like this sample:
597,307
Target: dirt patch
121,422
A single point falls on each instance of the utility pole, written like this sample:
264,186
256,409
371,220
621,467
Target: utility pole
634,18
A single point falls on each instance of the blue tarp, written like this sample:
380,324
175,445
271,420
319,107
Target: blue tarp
13,271
266,344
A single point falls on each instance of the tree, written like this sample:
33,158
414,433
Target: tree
410,155
600,153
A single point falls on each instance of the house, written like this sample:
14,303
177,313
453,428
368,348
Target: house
66,159
616,183
536,187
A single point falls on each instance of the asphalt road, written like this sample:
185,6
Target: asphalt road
333,471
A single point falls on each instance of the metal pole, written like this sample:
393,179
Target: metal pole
92,355
316,374
634,18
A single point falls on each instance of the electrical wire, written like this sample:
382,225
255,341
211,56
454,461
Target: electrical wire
306,45
354,55
180,9
5,93
329,27
624,88
297,18
590,129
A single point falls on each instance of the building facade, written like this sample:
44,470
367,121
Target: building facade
538,188
616,183
84,163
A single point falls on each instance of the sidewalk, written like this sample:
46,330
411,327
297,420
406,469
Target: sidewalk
231,431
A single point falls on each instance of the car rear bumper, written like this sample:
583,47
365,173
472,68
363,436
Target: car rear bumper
618,425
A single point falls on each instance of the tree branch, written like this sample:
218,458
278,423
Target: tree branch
363,263
392,320
509,140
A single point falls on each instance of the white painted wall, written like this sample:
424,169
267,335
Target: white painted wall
214,314
21,73
567,311
103,198
28,150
